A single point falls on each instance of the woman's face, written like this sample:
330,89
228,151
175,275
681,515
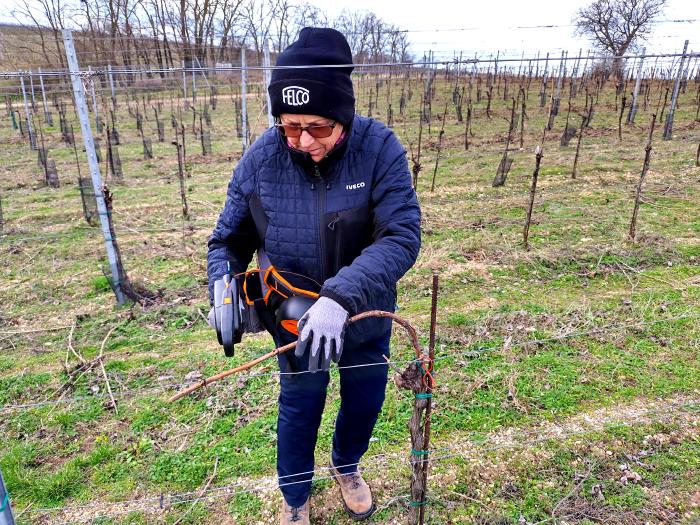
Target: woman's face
317,148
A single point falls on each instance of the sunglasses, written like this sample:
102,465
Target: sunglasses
318,132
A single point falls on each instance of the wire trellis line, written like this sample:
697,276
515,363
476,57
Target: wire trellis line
672,411
359,66
476,353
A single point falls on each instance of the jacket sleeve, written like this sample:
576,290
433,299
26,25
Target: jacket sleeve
235,238
373,275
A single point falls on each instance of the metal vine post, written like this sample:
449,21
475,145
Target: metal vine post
6,516
635,94
79,93
668,126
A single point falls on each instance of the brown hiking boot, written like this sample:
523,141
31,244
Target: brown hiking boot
356,495
294,515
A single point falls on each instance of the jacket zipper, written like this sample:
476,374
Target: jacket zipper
336,253
322,226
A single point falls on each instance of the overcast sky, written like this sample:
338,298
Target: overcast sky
486,26
511,26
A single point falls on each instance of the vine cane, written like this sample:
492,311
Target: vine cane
282,349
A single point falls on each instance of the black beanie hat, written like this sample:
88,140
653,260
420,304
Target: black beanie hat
325,91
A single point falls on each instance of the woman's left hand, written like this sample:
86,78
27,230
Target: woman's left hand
321,332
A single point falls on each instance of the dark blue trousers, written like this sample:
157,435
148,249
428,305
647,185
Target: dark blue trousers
301,401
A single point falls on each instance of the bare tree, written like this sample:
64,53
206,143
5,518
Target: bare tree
305,15
153,23
352,25
121,15
376,29
92,12
281,20
371,39
258,17
203,13
231,14
187,50
130,33
165,17
397,41
42,13
617,25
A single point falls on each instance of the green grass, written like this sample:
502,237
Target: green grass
580,273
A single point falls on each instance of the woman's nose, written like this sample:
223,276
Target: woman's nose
306,140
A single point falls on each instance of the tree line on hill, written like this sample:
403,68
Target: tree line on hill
164,33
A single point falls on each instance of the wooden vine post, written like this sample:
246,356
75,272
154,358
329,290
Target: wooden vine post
415,159
638,194
506,162
619,117
523,115
439,147
533,193
468,126
429,385
585,121
418,378
181,171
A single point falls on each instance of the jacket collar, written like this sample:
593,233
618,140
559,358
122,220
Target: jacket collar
327,163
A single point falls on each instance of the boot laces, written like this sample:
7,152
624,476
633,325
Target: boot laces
354,478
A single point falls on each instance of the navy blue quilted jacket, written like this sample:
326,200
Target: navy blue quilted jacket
350,222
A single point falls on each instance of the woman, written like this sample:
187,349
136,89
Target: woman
327,195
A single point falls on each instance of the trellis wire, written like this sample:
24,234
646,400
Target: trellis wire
478,352
453,61
488,223
158,503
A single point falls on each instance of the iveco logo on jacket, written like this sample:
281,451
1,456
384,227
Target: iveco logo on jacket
355,186
295,95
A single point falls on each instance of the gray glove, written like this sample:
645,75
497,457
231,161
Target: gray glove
321,332
211,318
